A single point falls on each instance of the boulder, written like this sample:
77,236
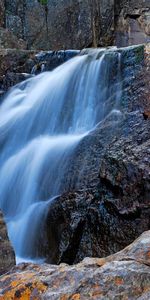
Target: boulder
107,211
7,255
125,275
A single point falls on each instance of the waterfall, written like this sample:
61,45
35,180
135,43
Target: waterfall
42,120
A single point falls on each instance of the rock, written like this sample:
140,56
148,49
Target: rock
11,78
132,22
14,64
16,61
61,24
77,24
106,214
125,275
7,255
19,65
146,115
2,13
49,60
105,204
9,40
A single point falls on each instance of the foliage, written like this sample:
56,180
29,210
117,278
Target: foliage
43,2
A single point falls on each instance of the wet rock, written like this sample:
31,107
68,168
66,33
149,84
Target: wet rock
7,255
19,65
104,211
10,79
49,60
107,205
125,275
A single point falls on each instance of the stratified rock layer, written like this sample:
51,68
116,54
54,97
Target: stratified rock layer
125,275
7,256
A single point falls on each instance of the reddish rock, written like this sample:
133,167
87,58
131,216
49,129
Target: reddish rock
125,275
146,114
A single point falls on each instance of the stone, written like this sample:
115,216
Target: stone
19,65
61,25
9,40
124,275
107,204
2,13
14,64
132,22
7,255
78,24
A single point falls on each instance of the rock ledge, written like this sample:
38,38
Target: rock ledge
124,275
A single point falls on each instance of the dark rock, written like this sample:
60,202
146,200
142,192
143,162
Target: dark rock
108,179
77,24
49,60
7,255
125,275
146,115
19,65
61,24
2,13
106,218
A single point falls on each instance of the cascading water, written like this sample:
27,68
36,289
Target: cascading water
42,120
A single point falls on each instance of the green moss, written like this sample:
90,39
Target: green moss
139,54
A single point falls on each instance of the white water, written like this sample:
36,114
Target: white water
42,120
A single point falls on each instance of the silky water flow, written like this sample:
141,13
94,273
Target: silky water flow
42,120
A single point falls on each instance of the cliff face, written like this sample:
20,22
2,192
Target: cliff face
132,22
77,24
58,25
